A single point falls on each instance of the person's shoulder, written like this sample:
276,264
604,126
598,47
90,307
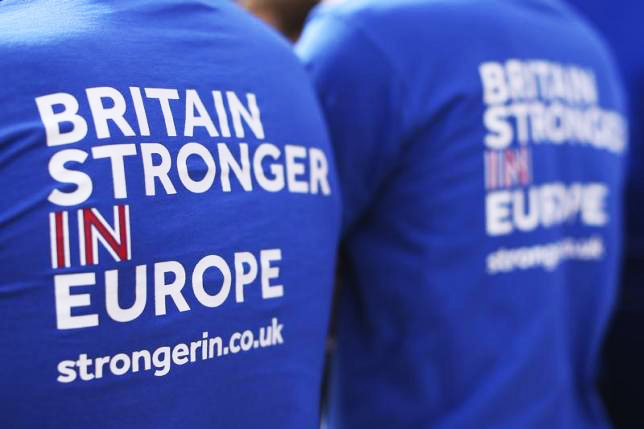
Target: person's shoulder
442,15
42,21
592,42
395,29
66,28
587,31
34,23
393,25
373,9
372,12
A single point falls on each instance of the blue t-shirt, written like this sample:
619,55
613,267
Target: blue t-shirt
479,147
168,222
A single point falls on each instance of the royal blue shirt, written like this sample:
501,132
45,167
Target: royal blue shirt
168,222
479,146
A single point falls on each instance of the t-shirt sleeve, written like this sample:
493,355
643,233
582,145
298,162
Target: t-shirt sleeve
361,96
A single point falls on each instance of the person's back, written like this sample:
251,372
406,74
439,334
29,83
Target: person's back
479,148
168,222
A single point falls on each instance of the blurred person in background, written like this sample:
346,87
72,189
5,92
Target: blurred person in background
480,148
620,22
286,16
169,219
